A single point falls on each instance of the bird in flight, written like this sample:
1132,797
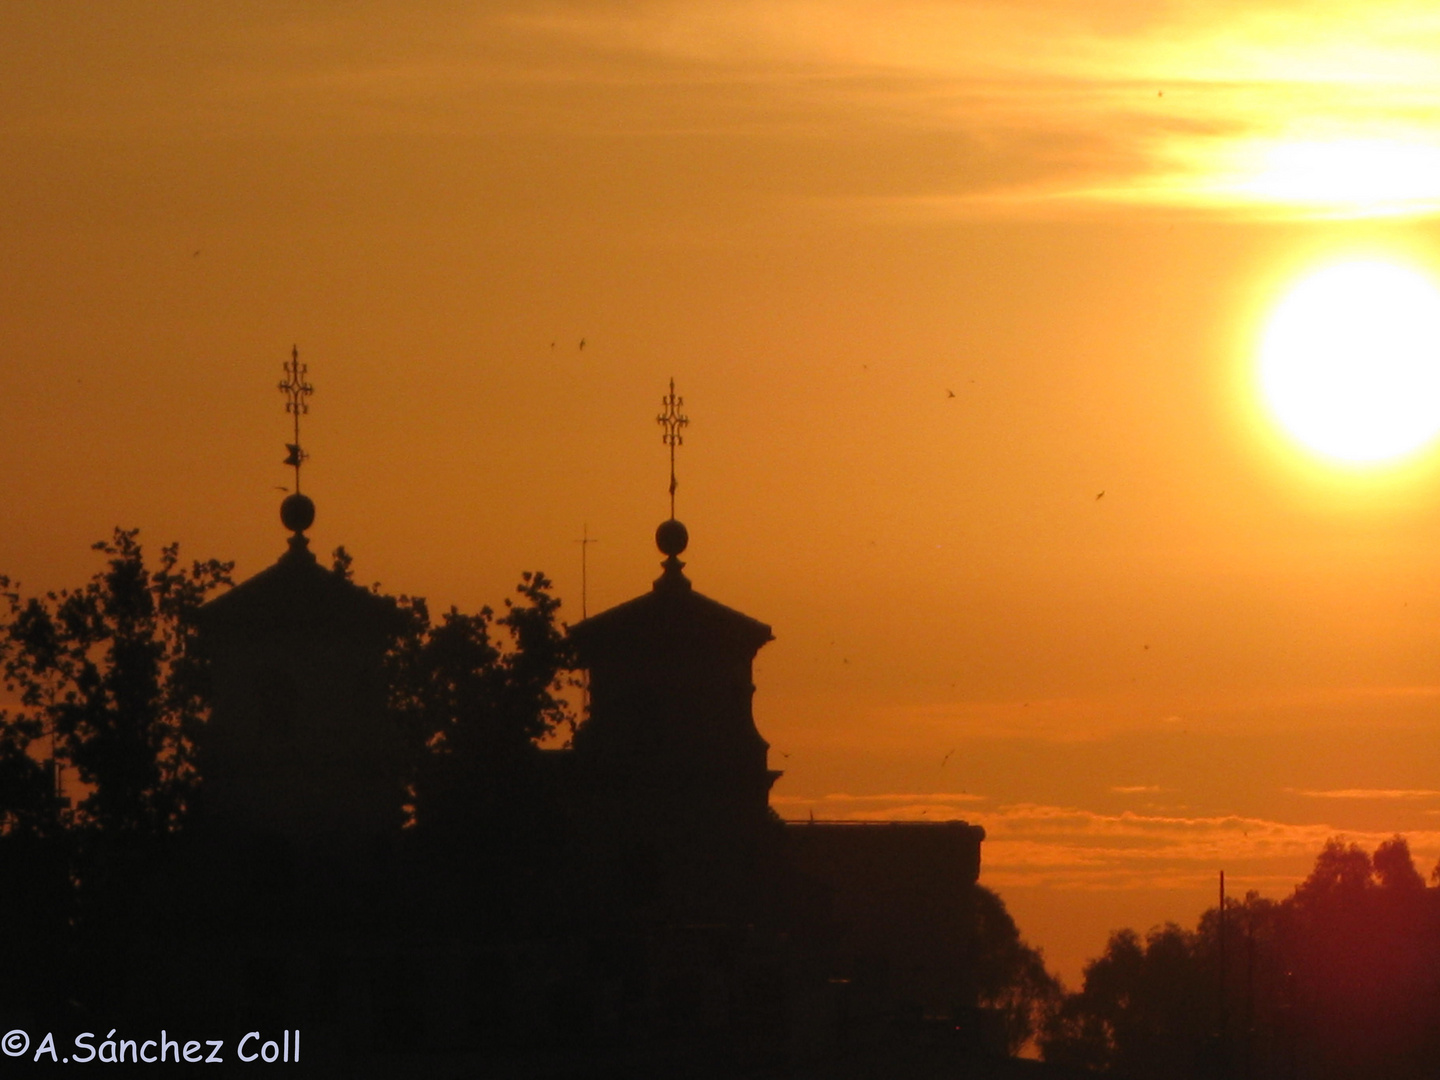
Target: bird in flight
1100,496
946,757
949,393
582,344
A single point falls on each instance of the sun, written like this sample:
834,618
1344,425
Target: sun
1350,361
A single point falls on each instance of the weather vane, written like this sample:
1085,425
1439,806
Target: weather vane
672,420
296,390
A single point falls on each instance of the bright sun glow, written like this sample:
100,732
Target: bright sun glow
1350,361
1335,177
1377,176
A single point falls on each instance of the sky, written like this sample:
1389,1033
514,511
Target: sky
965,301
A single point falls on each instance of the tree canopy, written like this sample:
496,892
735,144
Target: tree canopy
476,695
110,690
1010,975
1341,979
109,673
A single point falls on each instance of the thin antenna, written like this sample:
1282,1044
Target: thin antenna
672,420
296,391
585,541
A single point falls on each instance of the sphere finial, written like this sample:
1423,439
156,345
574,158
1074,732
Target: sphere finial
671,537
297,512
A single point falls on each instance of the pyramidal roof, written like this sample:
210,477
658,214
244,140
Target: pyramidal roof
294,592
671,615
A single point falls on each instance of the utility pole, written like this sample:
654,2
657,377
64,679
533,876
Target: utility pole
1223,1046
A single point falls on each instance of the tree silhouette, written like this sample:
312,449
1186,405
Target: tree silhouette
1010,975
110,671
473,707
109,684
28,800
1146,1008
1338,980
475,695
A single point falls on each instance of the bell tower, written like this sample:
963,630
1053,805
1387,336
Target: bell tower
298,743
672,766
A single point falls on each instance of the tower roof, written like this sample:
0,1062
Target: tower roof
297,592
671,616
666,619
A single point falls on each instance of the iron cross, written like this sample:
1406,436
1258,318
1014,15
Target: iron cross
296,391
672,420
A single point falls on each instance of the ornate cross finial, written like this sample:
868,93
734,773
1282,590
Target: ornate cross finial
296,391
672,420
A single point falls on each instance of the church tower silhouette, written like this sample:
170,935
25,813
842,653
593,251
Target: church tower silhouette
672,787
298,745
674,772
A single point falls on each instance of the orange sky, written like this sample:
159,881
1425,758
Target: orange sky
819,218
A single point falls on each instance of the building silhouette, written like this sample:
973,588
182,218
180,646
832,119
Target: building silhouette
663,904
676,784
298,745
670,771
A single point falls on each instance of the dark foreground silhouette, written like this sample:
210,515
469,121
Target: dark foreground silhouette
300,806
306,810
1341,979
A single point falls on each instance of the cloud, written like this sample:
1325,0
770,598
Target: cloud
840,806
944,796
922,107
1172,105
1371,793
1069,847
1139,789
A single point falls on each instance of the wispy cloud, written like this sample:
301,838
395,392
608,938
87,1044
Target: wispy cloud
911,806
1372,793
917,107
1222,106
941,796
1068,847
